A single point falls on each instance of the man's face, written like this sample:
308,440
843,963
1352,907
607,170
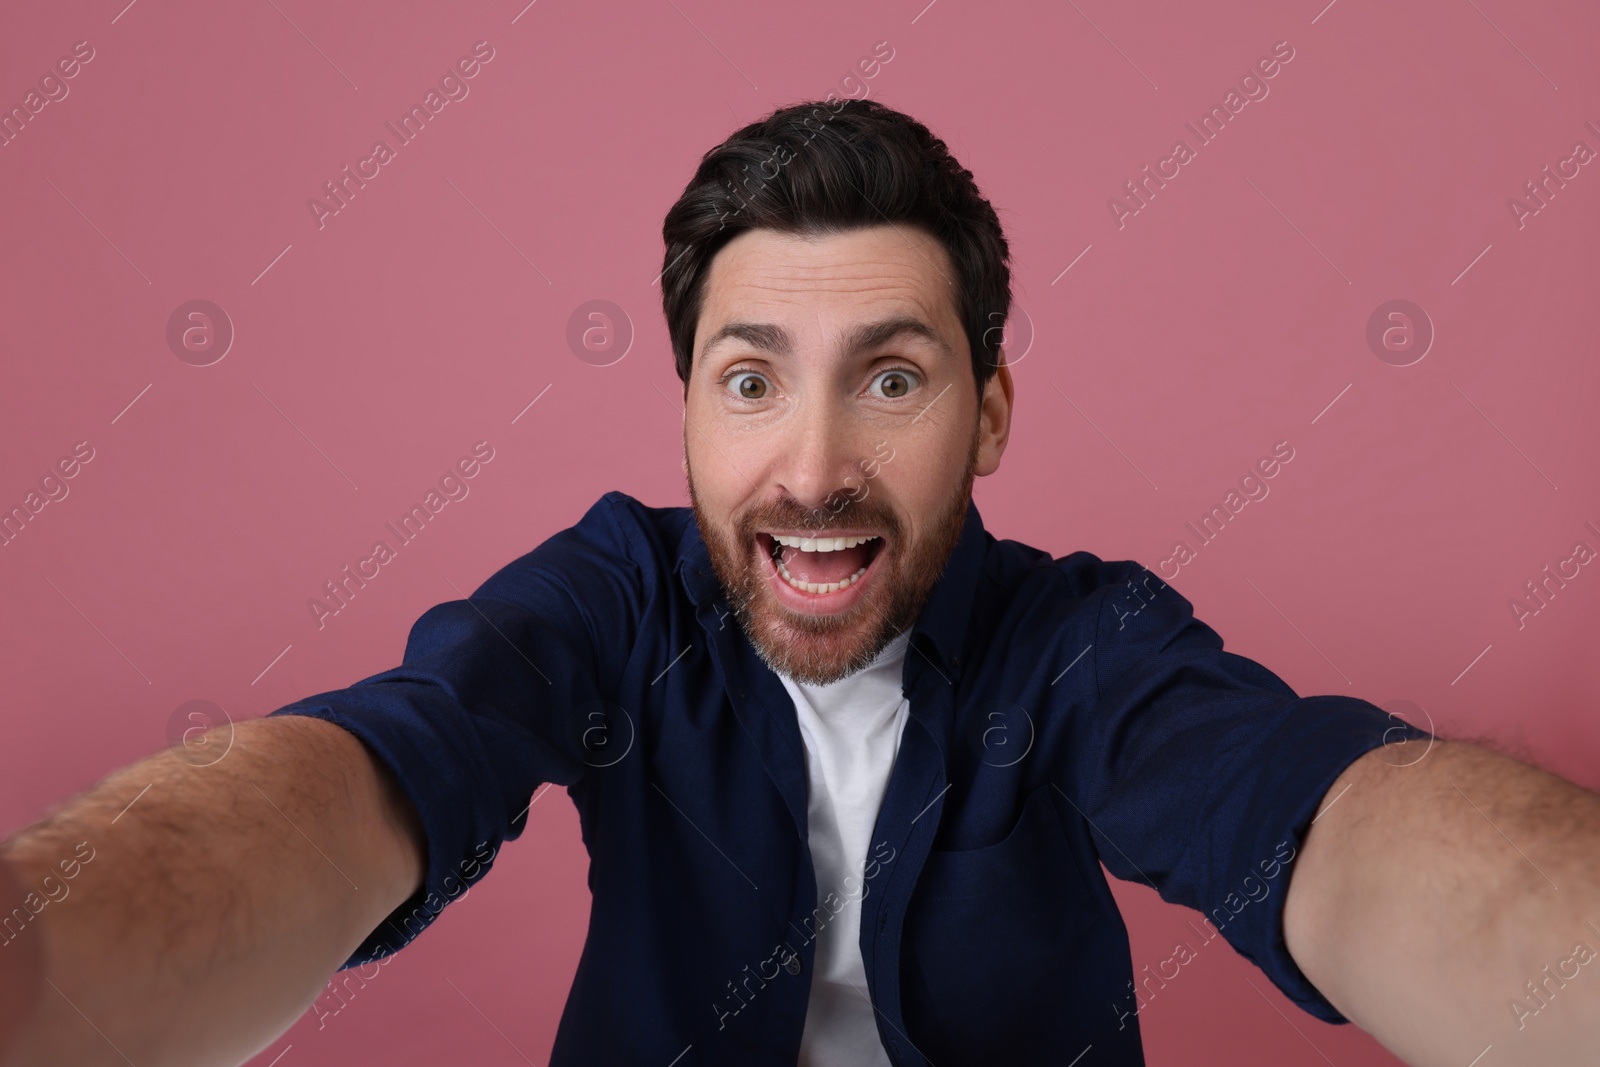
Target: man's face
832,432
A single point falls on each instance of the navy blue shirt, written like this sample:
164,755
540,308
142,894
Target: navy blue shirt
1064,713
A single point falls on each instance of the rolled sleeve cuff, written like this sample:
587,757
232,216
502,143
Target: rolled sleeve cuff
1333,732
456,858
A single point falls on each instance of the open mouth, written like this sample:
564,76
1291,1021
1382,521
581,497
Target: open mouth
820,565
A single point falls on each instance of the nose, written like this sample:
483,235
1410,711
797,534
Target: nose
819,465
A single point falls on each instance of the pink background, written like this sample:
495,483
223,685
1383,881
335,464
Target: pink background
1228,315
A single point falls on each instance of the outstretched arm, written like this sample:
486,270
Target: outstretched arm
188,915
1451,904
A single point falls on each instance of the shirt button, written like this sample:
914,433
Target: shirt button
792,964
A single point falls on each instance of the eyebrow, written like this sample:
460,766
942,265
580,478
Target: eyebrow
770,337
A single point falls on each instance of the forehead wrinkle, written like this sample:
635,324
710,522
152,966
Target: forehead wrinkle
910,242
860,337
919,307
843,286
756,273
861,269
914,238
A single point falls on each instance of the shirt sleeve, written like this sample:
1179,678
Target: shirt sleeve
495,695
1200,770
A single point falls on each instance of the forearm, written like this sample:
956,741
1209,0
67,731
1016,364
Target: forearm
1430,893
216,901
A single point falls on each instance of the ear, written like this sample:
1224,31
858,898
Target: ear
994,419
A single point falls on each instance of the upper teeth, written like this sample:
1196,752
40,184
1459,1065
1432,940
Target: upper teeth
821,544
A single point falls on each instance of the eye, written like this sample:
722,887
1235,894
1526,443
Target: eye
893,384
748,385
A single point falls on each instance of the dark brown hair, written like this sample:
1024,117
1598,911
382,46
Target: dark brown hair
827,167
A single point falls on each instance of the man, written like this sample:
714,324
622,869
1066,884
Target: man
847,765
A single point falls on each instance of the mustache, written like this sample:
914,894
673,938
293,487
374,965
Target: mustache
790,514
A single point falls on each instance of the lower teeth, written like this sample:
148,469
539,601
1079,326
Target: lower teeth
816,587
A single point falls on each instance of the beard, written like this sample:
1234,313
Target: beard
821,649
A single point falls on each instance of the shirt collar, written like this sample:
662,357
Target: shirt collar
944,619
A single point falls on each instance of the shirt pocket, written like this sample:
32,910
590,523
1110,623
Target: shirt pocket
1031,864
1008,955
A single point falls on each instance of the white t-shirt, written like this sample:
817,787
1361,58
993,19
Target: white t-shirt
851,731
